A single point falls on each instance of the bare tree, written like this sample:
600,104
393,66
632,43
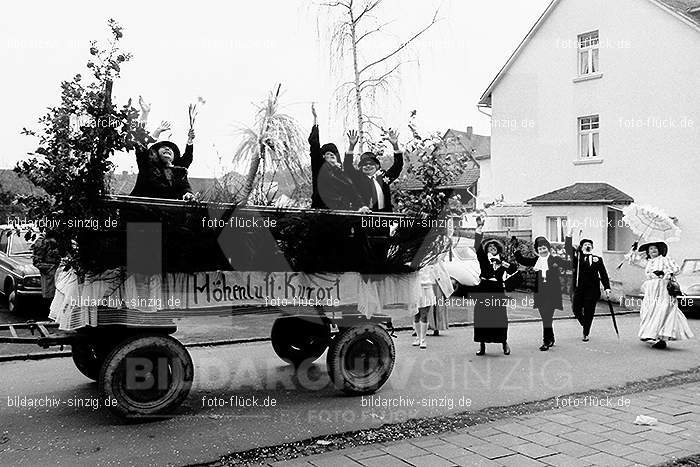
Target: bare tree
353,25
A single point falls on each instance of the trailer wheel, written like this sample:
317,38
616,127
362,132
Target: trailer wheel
147,375
361,358
88,359
296,340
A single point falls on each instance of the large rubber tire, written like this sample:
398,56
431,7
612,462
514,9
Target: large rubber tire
147,376
361,359
88,358
297,340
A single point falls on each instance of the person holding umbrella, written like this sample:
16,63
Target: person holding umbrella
588,274
547,285
661,319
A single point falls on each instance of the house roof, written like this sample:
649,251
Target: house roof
687,11
509,210
457,141
583,193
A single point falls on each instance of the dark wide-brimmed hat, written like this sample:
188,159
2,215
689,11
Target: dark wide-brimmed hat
330,147
661,246
492,241
368,158
542,241
585,240
169,144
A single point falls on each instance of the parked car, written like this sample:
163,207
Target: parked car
19,278
462,264
689,280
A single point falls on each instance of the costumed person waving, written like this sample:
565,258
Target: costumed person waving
547,285
331,187
158,176
184,160
372,183
661,319
588,274
490,312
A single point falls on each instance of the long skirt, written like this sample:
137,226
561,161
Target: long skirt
437,317
660,315
490,316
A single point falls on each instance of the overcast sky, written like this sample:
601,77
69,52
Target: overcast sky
233,53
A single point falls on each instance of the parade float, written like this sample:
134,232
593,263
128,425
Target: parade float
122,287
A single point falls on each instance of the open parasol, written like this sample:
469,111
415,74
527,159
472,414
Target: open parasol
650,223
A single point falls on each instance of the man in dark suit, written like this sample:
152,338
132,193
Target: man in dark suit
371,183
588,273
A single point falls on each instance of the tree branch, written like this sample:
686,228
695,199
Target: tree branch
369,7
402,46
377,29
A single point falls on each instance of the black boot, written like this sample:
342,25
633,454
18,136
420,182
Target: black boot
482,349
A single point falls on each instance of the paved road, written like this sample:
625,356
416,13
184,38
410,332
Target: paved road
304,404
213,328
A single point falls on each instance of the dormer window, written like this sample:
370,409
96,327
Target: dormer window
588,53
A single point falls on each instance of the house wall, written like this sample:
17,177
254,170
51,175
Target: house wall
650,71
625,280
486,193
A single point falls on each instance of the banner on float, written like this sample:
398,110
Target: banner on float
241,288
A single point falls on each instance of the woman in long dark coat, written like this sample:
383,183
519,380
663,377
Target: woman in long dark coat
331,187
490,312
548,284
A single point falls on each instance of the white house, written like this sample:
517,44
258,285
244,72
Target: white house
602,97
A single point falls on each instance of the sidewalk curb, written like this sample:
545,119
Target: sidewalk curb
223,342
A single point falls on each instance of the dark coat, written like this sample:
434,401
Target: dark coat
186,159
487,270
365,186
547,293
331,188
157,181
490,312
590,273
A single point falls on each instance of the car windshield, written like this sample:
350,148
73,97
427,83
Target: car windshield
20,246
691,266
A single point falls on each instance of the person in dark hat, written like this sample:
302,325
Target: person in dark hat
331,187
184,160
661,319
588,274
158,177
371,183
547,285
490,312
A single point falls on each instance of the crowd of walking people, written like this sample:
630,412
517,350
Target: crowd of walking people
661,318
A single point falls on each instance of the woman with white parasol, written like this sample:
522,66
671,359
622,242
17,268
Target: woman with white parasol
661,319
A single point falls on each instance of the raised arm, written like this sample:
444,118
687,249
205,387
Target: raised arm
571,252
348,162
315,144
395,170
185,160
